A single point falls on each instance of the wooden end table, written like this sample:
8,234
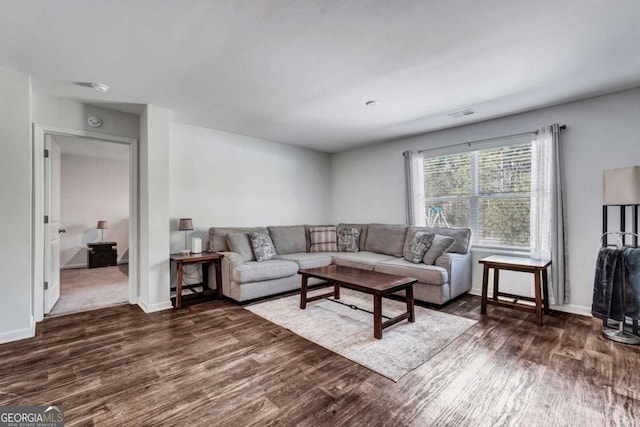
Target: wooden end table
539,268
369,282
204,259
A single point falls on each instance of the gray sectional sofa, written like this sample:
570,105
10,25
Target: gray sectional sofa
381,248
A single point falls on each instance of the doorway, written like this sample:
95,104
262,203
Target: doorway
93,217
50,252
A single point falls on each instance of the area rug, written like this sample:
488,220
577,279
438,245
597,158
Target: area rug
349,332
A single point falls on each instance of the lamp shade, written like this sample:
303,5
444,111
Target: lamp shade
621,186
102,225
185,224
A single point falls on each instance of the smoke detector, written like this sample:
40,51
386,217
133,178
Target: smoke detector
467,112
100,87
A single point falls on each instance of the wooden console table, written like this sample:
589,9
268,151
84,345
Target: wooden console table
204,259
539,268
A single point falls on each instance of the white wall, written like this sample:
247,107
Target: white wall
93,189
73,114
603,133
153,227
223,179
16,321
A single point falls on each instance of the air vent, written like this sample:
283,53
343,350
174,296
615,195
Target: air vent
462,113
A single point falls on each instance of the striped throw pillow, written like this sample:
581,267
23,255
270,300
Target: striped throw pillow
323,239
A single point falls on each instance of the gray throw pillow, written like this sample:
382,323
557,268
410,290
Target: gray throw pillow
240,243
348,239
439,246
262,246
420,242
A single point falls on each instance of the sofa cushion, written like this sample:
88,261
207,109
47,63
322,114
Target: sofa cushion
461,235
254,271
429,274
363,259
462,238
218,236
363,232
262,246
439,245
240,244
418,247
289,239
386,239
309,260
349,239
323,239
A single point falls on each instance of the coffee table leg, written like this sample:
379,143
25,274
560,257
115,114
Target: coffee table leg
336,291
410,304
377,316
303,292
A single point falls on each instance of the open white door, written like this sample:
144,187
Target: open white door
52,228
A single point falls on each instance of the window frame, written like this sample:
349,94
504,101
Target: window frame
475,197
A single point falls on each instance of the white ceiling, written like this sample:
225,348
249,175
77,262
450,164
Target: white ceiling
300,71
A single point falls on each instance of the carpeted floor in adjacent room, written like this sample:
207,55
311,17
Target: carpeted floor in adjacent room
83,289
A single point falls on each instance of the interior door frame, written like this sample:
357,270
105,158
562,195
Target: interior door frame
38,243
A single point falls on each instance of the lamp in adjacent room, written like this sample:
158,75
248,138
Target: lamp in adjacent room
102,225
185,225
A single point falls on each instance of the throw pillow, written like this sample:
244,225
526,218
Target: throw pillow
439,246
239,243
348,239
420,242
323,239
262,246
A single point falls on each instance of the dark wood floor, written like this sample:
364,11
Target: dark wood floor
218,364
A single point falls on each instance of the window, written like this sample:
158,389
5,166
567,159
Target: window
487,190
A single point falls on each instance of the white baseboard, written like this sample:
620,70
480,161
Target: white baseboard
70,266
84,265
151,308
19,334
568,308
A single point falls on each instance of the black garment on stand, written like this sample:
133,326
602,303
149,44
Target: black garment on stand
610,288
632,261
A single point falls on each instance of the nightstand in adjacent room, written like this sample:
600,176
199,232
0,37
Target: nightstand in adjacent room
102,254
204,259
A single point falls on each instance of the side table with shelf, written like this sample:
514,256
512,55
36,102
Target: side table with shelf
204,259
538,267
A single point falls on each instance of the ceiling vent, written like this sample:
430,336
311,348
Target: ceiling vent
462,113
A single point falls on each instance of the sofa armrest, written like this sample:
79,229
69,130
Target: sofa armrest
230,261
459,268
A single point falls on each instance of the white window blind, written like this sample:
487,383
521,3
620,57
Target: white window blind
487,190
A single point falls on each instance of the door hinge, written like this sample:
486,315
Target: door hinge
46,153
46,219
46,285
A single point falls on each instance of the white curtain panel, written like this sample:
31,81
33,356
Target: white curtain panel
414,177
548,232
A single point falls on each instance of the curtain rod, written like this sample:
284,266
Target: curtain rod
468,143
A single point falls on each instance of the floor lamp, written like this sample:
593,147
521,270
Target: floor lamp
621,187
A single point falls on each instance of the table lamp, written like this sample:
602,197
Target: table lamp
185,225
102,225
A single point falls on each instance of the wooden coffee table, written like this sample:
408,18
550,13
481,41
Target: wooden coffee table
369,282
